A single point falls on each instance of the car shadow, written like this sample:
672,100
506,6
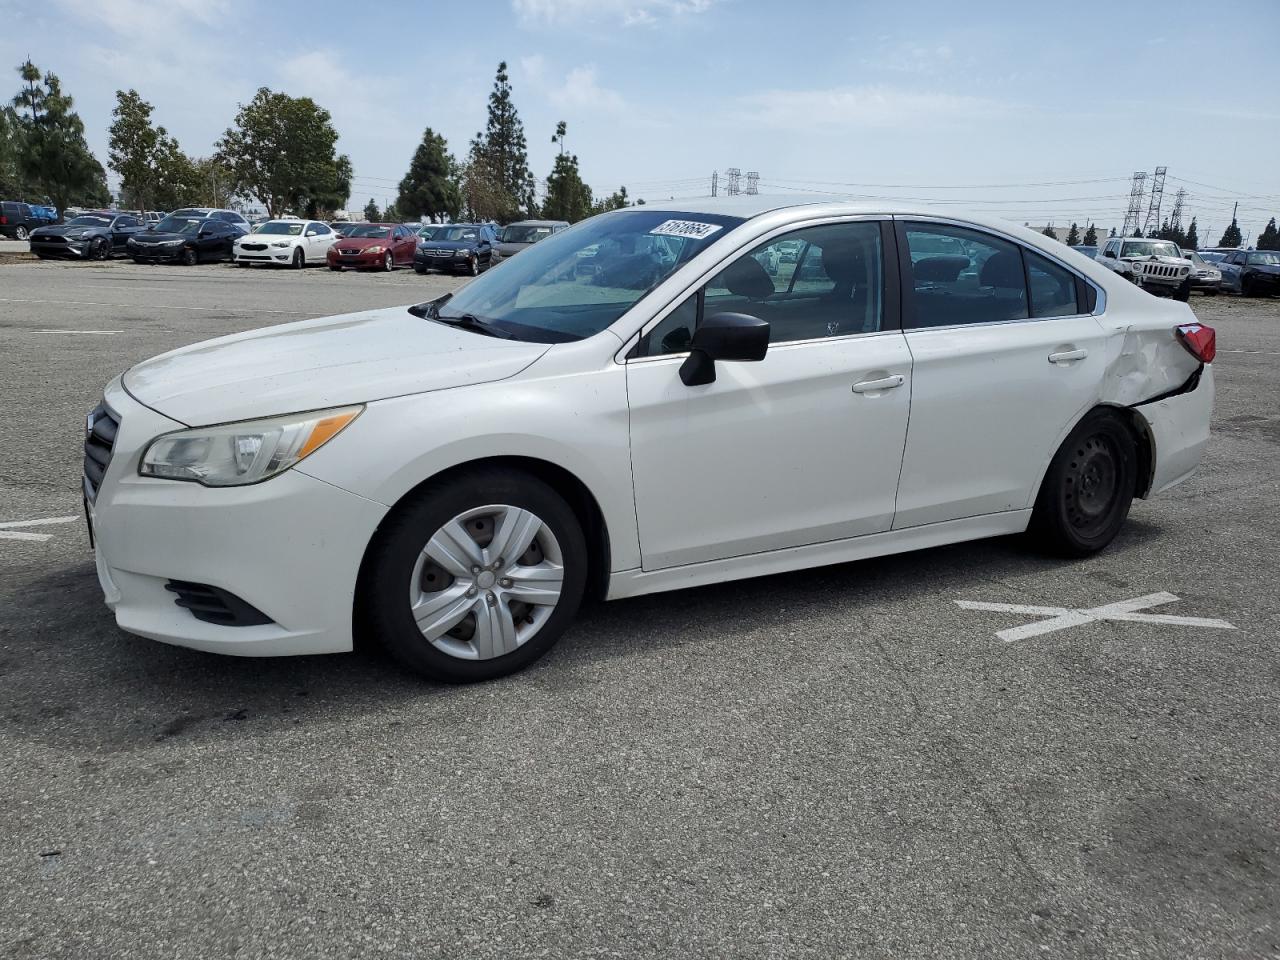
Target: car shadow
69,678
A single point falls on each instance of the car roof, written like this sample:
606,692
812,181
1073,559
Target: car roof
537,223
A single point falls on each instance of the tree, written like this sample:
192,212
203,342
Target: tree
1073,236
282,149
11,183
135,149
615,201
1112,233
336,197
483,197
430,188
1049,232
1138,232
558,137
1193,236
1231,237
53,157
1269,238
1091,236
391,213
504,150
568,198
371,212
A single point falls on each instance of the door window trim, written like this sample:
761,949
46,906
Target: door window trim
907,279
891,315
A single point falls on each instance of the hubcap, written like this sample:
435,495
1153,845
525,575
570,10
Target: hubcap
1091,484
486,582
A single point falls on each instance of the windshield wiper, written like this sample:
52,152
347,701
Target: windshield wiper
469,321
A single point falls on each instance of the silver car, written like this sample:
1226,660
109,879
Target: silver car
525,233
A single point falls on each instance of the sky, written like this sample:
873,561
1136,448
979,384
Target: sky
1040,112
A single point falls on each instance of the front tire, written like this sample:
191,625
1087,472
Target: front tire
440,590
188,257
473,267
102,249
298,260
419,270
1086,494
335,268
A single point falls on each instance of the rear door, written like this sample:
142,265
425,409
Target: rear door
1006,357
801,447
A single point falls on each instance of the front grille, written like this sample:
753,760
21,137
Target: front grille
350,253
51,239
215,605
99,440
253,246
439,253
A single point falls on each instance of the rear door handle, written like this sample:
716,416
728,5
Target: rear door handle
885,383
1066,356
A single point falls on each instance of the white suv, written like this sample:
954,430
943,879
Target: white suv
1157,265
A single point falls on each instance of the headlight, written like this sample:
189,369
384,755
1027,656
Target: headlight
283,243
1184,271
236,454
374,249
462,252
174,243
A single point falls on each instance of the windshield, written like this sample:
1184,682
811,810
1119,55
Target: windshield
1268,259
429,232
287,229
579,281
89,222
1149,248
370,231
175,224
457,233
524,234
1195,258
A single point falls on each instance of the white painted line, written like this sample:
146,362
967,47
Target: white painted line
1060,618
90,333
5,535
151,306
47,521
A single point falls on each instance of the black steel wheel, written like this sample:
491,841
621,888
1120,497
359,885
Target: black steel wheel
188,257
1086,494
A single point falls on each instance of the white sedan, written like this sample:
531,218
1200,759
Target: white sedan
285,243
656,398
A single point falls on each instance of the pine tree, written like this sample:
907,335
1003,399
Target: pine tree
1049,232
504,149
429,189
1073,236
1231,237
1091,237
568,198
1269,239
1112,233
1138,233
371,212
1193,237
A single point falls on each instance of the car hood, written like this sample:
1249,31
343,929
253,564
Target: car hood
155,236
362,243
1172,261
312,364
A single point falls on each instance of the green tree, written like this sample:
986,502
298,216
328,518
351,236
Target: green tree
1269,238
1112,233
11,183
1091,236
282,149
53,157
430,188
568,198
504,150
1049,232
615,201
1231,237
371,212
1193,236
1073,236
558,137
483,197
326,201
137,150
1138,232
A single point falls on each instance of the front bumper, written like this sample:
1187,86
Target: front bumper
1179,431
64,248
355,260
431,261
154,252
1205,283
282,255
290,547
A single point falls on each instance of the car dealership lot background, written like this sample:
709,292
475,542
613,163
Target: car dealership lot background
836,762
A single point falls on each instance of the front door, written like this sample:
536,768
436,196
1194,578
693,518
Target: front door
1006,358
802,447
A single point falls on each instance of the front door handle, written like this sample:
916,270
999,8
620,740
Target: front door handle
875,386
1067,356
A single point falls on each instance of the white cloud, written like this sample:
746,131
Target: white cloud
866,106
629,13
581,91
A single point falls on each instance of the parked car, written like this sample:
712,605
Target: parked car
458,248
90,236
428,231
525,233
453,477
45,213
184,239
1211,256
152,217
1205,276
17,219
343,227
214,213
1251,273
291,243
1156,265
1085,250
380,245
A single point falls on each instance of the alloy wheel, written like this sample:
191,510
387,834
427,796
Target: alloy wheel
486,582
388,262
21,233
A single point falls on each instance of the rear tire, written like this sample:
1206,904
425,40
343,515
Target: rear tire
21,233
1246,286
396,555
1086,494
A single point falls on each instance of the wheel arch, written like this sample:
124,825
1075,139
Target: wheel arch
1143,444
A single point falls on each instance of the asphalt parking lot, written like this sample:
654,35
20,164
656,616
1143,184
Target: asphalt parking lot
841,762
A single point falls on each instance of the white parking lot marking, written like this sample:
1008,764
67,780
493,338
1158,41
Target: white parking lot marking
1060,618
91,333
7,531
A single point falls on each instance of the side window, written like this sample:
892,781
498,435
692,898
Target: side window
1052,288
321,229
962,276
125,222
810,284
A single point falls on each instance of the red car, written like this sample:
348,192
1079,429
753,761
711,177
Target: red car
384,246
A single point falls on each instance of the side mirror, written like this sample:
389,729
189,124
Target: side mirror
723,336
313,233
1110,253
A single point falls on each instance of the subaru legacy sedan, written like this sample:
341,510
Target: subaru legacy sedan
653,399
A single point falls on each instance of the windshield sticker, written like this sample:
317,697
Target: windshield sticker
691,229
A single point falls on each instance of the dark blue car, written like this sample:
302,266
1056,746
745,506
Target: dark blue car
457,248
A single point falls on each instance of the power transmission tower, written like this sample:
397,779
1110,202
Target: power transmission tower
1175,218
1153,207
1136,190
753,182
734,176
715,181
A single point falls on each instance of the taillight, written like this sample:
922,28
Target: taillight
3,219
1200,341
